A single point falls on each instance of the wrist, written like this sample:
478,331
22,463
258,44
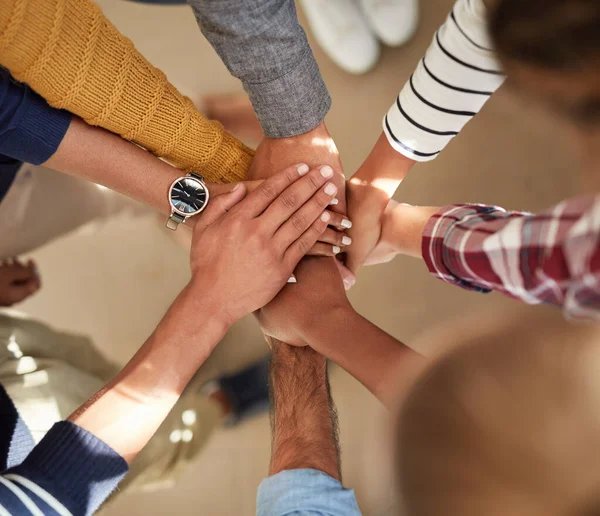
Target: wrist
405,226
195,316
290,356
384,168
326,338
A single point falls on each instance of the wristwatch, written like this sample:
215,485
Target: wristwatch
188,196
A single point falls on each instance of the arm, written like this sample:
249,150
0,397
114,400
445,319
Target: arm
81,461
105,81
31,131
551,257
450,85
263,45
304,476
302,315
304,421
104,158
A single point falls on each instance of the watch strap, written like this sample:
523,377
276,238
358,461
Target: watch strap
174,220
197,176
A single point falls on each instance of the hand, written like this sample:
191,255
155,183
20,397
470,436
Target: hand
401,232
17,281
314,148
366,207
244,251
300,309
369,191
216,189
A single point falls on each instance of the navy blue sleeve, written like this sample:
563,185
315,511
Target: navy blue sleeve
30,130
16,441
70,469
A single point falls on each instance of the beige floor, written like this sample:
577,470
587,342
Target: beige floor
115,284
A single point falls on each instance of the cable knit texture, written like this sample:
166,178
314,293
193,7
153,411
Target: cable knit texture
70,54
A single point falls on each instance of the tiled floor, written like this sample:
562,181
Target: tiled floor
116,283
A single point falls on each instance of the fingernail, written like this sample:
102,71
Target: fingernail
292,279
346,223
346,240
303,169
347,285
325,216
236,187
326,171
336,249
334,201
330,189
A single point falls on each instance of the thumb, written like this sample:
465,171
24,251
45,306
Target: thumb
348,277
352,263
220,205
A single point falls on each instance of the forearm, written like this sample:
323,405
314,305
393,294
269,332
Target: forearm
382,171
93,71
303,415
403,226
376,359
104,158
127,412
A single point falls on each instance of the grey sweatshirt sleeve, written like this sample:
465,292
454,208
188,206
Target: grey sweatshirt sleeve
263,45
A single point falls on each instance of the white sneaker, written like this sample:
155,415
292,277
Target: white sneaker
342,32
394,21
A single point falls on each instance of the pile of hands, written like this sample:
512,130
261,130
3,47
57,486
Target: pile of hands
346,224
248,244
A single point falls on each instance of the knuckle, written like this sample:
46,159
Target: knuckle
298,222
291,175
303,246
322,201
317,229
314,181
268,191
289,200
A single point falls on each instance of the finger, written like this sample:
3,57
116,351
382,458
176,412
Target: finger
294,198
307,240
223,188
337,238
300,221
219,206
339,221
321,249
18,293
348,277
19,274
354,261
269,190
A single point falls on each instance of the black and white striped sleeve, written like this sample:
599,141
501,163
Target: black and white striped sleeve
452,82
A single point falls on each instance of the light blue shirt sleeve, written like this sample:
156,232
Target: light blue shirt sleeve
305,492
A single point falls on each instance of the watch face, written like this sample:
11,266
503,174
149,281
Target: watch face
188,196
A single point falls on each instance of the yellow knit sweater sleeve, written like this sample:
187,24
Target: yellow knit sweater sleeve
70,54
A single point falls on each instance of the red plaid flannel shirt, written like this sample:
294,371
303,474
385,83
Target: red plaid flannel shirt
552,257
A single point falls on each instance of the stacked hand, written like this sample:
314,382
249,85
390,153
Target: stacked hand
300,310
315,148
244,251
18,281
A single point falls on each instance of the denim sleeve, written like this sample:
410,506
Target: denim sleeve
263,45
305,492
